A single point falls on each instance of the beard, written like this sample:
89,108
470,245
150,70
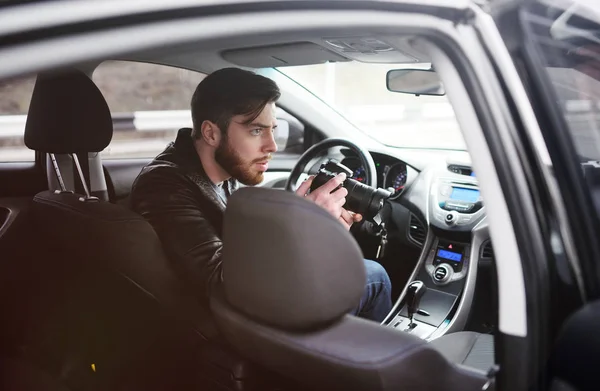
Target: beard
235,166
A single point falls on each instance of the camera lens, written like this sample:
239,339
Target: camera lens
364,199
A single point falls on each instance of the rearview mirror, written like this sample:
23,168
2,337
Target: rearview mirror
415,81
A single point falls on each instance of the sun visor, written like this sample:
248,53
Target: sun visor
298,53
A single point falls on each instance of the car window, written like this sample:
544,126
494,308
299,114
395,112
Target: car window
566,38
148,103
15,95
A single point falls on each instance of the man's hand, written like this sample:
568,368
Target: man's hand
331,202
348,218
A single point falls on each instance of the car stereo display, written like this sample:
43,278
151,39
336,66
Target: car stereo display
449,255
464,194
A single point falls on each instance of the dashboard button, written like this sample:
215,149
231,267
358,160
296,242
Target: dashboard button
446,190
439,215
464,220
440,274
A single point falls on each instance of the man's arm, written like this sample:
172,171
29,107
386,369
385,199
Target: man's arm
165,198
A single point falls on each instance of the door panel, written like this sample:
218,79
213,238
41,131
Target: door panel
120,175
17,250
555,46
21,179
557,54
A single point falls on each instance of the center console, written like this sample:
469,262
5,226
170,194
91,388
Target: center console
455,204
443,272
448,263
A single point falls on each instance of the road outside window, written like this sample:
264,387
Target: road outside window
148,102
15,95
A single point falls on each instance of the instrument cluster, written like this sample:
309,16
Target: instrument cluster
391,175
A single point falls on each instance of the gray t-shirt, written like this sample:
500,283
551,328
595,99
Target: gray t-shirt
221,192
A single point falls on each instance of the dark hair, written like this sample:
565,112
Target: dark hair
229,92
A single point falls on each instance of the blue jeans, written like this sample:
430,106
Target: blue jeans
376,301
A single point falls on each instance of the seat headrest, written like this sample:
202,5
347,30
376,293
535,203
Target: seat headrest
67,114
287,262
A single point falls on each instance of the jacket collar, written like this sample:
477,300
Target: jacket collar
190,162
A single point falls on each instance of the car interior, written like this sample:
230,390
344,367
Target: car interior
95,304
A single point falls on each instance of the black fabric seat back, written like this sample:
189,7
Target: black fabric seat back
19,375
291,273
108,311
110,298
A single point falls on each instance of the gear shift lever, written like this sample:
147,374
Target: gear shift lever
414,293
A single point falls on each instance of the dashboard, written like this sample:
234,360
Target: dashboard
461,170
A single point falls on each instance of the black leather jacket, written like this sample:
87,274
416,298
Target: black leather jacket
176,196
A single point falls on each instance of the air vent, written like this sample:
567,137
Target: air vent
416,230
487,251
461,170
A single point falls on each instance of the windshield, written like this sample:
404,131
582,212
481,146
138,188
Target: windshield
358,92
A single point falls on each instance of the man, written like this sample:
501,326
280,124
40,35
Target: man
184,191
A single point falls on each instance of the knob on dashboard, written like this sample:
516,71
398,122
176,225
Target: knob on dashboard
451,218
442,274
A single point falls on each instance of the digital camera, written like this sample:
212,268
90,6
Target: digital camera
361,198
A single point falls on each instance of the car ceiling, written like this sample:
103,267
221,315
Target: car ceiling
289,49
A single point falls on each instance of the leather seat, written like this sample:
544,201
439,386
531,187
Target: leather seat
291,274
108,311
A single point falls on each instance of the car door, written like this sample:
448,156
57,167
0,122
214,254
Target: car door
511,356
555,46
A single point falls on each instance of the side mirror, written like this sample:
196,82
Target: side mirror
282,134
289,135
415,81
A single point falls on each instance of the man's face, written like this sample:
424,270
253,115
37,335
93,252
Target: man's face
245,150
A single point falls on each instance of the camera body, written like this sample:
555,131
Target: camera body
361,198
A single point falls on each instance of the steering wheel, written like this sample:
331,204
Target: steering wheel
364,156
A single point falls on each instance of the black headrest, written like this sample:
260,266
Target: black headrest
67,114
287,262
